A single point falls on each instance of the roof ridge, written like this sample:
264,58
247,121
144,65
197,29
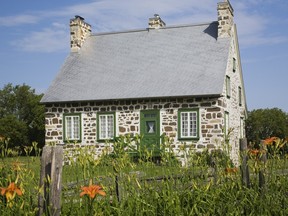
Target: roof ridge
148,29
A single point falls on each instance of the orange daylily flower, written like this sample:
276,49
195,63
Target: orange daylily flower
254,151
92,191
270,141
11,191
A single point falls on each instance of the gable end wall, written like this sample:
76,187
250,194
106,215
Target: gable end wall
236,112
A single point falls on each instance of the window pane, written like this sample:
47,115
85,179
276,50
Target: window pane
184,122
102,128
150,126
110,126
106,126
193,124
72,127
76,128
68,127
189,127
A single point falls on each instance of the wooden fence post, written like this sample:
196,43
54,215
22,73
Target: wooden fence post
119,186
50,181
244,162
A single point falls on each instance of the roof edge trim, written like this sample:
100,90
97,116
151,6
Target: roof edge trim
142,98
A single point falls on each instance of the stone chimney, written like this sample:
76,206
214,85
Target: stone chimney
156,22
225,19
79,31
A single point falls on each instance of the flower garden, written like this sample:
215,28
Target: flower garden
118,184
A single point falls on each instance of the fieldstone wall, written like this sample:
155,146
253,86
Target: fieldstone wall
128,120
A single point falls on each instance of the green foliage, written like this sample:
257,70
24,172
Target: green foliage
24,173
264,123
211,159
10,126
204,186
21,116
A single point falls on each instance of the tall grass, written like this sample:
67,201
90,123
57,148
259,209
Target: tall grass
208,184
23,172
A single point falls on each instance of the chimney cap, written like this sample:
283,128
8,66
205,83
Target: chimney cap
225,2
77,16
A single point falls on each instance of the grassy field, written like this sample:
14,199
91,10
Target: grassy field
74,173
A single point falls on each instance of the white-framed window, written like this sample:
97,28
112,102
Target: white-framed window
188,124
228,87
72,127
106,126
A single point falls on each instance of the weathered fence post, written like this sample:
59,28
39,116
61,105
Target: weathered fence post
50,181
244,162
262,170
119,186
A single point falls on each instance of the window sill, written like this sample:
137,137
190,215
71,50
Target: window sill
105,140
189,138
72,141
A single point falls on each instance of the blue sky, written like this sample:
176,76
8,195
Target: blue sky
35,37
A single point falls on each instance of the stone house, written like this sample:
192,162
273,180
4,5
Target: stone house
184,81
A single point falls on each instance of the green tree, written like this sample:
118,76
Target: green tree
21,115
264,123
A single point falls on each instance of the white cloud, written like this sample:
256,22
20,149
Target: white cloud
18,20
108,15
52,39
114,15
254,26
256,40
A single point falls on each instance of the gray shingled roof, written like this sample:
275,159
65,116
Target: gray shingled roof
173,61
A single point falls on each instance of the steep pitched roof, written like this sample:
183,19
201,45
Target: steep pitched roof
173,61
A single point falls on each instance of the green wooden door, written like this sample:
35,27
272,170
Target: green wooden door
150,129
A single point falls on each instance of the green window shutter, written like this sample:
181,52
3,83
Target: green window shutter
188,124
72,127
